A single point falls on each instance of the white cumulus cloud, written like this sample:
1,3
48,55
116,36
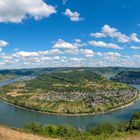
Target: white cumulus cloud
114,33
97,35
111,32
87,52
135,47
3,44
74,16
61,44
16,11
104,45
134,37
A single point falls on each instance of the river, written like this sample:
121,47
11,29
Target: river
17,117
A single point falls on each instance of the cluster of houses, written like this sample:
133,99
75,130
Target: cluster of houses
94,99
113,97
64,96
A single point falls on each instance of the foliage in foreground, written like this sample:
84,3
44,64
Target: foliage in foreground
101,132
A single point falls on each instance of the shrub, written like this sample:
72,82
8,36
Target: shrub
104,128
135,122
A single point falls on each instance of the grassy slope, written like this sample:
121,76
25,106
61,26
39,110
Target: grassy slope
129,74
11,134
129,138
130,77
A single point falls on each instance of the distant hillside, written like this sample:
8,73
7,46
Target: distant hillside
73,80
70,92
7,74
106,71
19,72
130,77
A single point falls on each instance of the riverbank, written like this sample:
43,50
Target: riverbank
82,114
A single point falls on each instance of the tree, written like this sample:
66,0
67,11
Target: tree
135,122
104,128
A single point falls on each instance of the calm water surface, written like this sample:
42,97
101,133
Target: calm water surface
17,117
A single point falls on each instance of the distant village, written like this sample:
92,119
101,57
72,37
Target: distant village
94,99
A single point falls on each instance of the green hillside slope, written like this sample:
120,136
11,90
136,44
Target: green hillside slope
130,77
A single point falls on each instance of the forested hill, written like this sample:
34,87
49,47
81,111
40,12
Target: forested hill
130,77
73,80
109,71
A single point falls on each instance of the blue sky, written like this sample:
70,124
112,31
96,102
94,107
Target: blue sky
37,33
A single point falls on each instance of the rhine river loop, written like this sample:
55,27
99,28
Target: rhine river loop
18,117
